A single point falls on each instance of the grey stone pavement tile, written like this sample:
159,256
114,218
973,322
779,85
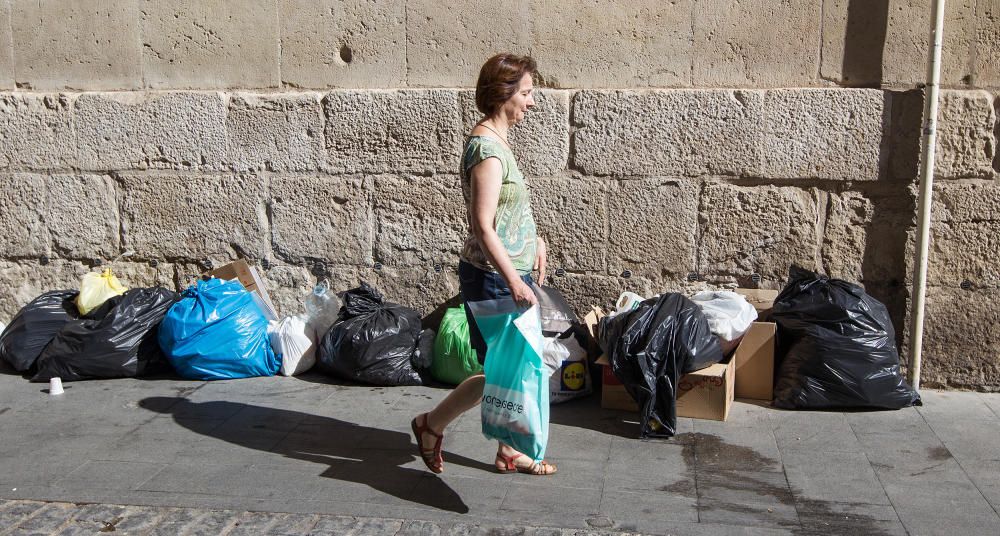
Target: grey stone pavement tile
993,401
849,518
770,514
108,475
833,477
943,508
954,405
298,451
815,430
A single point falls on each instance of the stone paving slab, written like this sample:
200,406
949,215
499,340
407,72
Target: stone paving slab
308,455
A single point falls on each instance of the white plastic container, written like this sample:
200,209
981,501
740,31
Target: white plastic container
628,301
322,307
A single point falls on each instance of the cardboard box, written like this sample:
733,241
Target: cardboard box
613,393
248,277
702,394
707,393
754,362
761,299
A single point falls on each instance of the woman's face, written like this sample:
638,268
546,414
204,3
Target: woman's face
519,103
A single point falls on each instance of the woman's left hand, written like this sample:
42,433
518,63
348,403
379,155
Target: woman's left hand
540,260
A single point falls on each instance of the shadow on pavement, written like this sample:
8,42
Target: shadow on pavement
380,466
587,413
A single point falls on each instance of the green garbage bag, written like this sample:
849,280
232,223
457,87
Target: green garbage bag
454,358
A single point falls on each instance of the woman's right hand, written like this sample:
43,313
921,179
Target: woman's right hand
522,294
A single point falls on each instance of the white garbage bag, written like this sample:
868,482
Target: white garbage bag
566,362
729,314
295,342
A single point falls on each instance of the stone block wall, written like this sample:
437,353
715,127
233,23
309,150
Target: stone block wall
676,145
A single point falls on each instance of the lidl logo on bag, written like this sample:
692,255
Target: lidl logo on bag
574,375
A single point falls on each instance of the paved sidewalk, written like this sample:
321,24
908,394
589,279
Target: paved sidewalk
326,453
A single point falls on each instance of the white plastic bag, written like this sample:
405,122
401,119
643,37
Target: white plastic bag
729,314
566,361
295,342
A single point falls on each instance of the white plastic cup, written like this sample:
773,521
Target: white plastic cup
55,386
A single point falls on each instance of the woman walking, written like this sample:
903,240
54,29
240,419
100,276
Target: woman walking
502,247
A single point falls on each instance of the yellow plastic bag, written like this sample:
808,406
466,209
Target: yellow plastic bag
95,289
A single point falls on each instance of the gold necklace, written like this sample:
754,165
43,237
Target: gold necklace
495,132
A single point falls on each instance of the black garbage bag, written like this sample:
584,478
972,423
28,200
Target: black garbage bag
650,347
115,340
837,347
424,354
373,340
34,326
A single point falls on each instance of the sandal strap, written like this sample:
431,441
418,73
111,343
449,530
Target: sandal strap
508,460
540,468
431,456
424,429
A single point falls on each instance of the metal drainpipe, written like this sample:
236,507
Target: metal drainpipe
926,192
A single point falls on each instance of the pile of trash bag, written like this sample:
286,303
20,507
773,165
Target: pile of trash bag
837,347
650,347
373,341
218,331
34,327
117,339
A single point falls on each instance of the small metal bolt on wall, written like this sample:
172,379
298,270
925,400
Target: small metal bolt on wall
626,274
43,260
755,277
319,269
438,268
693,276
153,263
560,272
966,285
377,266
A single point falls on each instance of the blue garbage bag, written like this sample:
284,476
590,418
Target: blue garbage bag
515,404
217,332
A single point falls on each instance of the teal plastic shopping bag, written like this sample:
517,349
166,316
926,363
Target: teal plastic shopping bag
515,404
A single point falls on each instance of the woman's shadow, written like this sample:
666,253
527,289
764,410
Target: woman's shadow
379,467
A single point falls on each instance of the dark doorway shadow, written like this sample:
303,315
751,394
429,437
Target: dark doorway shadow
864,43
331,442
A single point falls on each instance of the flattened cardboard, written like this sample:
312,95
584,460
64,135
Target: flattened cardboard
754,362
248,277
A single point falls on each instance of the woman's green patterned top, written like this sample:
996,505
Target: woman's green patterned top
514,222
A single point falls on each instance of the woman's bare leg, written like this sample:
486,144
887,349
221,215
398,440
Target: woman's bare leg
461,399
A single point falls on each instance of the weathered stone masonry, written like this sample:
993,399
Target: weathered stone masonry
671,185
320,138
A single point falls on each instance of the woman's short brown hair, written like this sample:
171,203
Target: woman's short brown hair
499,79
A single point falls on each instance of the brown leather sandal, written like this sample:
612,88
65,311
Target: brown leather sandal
542,468
432,457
